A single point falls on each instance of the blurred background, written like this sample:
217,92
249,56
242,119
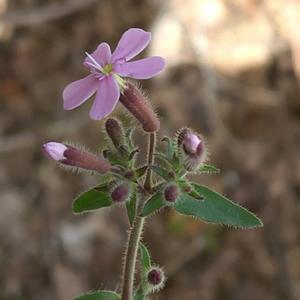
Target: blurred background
233,70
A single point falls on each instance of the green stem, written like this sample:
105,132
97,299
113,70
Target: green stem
136,233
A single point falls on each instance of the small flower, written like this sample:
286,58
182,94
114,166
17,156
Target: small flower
106,72
70,156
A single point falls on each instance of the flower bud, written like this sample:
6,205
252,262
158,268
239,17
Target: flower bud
133,99
120,193
155,279
193,147
171,193
115,132
70,156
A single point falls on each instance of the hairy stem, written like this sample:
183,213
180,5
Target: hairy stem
136,232
151,149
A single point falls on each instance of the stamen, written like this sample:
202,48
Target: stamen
97,66
92,65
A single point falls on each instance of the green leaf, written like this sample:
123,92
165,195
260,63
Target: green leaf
170,148
165,174
139,295
204,168
99,295
215,208
145,258
140,171
156,202
131,205
163,158
91,200
128,136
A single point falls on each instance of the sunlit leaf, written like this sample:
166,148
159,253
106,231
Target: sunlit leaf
215,208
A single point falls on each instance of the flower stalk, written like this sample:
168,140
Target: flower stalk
136,232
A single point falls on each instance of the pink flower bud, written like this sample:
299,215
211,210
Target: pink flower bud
171,193
155,279
193,147
115,131
120,193
191,142
137,104
70,156
55,150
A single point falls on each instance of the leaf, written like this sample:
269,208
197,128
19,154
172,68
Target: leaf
165,174
140,171
145,258
156,202
187,187
91,200
205,168
128,136
163,158
215,208
170,147
131,205
139,295
145,261
99,295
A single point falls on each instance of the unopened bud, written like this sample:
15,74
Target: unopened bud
120,193
115,132
137,104
193,147
70,156
155,279
171,193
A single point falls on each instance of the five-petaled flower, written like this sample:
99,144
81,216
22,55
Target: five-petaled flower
107,70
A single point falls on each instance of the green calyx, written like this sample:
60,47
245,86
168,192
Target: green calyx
107,69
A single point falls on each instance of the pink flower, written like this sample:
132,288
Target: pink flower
107,70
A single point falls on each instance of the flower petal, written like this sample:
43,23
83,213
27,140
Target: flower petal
102,55
107,97
141,69
79,91
132,42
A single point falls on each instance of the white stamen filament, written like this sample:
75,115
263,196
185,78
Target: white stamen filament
95,65
92,65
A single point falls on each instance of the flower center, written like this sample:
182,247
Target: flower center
107,69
